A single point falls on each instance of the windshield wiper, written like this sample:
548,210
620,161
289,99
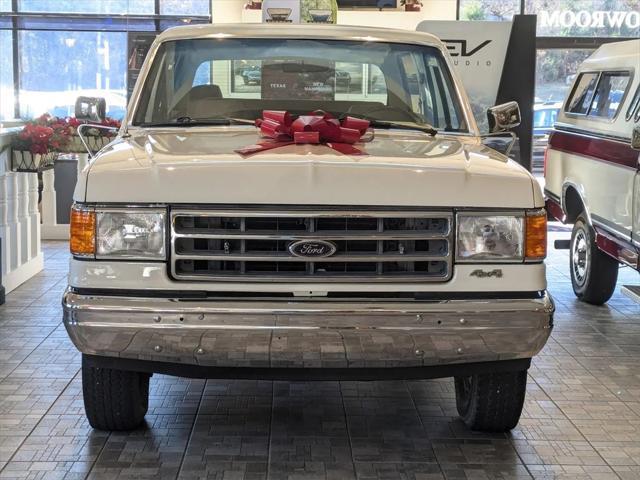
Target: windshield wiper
403,125
194,122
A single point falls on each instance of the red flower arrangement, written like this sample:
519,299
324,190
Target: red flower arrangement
37,146
43,135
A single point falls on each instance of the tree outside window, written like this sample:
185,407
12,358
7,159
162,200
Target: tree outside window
499,10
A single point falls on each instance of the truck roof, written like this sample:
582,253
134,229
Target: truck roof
324,32
614,55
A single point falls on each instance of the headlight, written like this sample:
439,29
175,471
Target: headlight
490,238
134,234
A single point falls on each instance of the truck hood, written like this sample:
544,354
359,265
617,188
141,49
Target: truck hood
401,168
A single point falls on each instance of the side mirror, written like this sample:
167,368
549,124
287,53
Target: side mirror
503,117
93,109
635,138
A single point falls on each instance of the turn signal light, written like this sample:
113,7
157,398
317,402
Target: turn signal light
536,235
83,232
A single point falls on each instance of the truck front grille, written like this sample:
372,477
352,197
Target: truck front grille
254,245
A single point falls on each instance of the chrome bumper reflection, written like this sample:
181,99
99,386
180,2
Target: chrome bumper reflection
308,334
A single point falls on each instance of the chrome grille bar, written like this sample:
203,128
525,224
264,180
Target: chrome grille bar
252,245
312,236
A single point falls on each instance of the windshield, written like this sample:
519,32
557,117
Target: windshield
212,79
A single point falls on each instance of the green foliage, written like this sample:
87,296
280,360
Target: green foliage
306,5
473,11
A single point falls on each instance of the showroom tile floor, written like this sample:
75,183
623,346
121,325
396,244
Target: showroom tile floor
581,419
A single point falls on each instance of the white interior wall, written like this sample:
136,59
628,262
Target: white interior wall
233,11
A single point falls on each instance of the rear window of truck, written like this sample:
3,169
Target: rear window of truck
598,94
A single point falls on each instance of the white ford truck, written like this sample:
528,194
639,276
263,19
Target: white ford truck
305,228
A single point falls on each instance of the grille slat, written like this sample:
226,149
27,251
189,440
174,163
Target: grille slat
328,235
253,245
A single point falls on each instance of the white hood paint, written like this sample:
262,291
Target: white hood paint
198,166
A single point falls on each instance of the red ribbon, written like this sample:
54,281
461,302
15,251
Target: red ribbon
318,128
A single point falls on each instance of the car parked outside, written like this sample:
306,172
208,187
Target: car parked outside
544,117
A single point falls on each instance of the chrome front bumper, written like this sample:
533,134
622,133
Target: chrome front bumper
308,334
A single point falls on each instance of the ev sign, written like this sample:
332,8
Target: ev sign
461,48
478,51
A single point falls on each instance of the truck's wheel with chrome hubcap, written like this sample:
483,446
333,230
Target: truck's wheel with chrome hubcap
114,399
491,402
593,272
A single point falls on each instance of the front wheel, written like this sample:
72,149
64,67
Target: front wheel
593,273
491,402
114,399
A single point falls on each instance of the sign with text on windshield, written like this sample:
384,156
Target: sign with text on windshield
298,80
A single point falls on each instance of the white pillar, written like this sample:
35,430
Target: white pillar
49,214
4,220
12,240
19,223
33,215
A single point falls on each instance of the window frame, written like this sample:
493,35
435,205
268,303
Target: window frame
633,111
611,73
599,73
574,87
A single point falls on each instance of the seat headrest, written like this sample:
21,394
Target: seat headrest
201,92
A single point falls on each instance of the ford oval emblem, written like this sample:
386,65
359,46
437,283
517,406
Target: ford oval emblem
312,248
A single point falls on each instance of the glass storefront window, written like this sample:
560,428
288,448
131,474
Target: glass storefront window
184,7
6,76
586,18
488,9
555,71
58,66
5,5
88,6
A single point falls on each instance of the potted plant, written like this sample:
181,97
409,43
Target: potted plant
37,146
411,5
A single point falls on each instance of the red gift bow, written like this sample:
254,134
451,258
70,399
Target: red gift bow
316,128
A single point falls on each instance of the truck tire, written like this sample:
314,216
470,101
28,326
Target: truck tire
593,272
491,402
114,399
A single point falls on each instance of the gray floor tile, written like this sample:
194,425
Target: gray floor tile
581,418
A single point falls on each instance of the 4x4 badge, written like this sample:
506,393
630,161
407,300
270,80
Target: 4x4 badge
497,273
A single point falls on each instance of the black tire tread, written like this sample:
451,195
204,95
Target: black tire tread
602,275
496,401
114,399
